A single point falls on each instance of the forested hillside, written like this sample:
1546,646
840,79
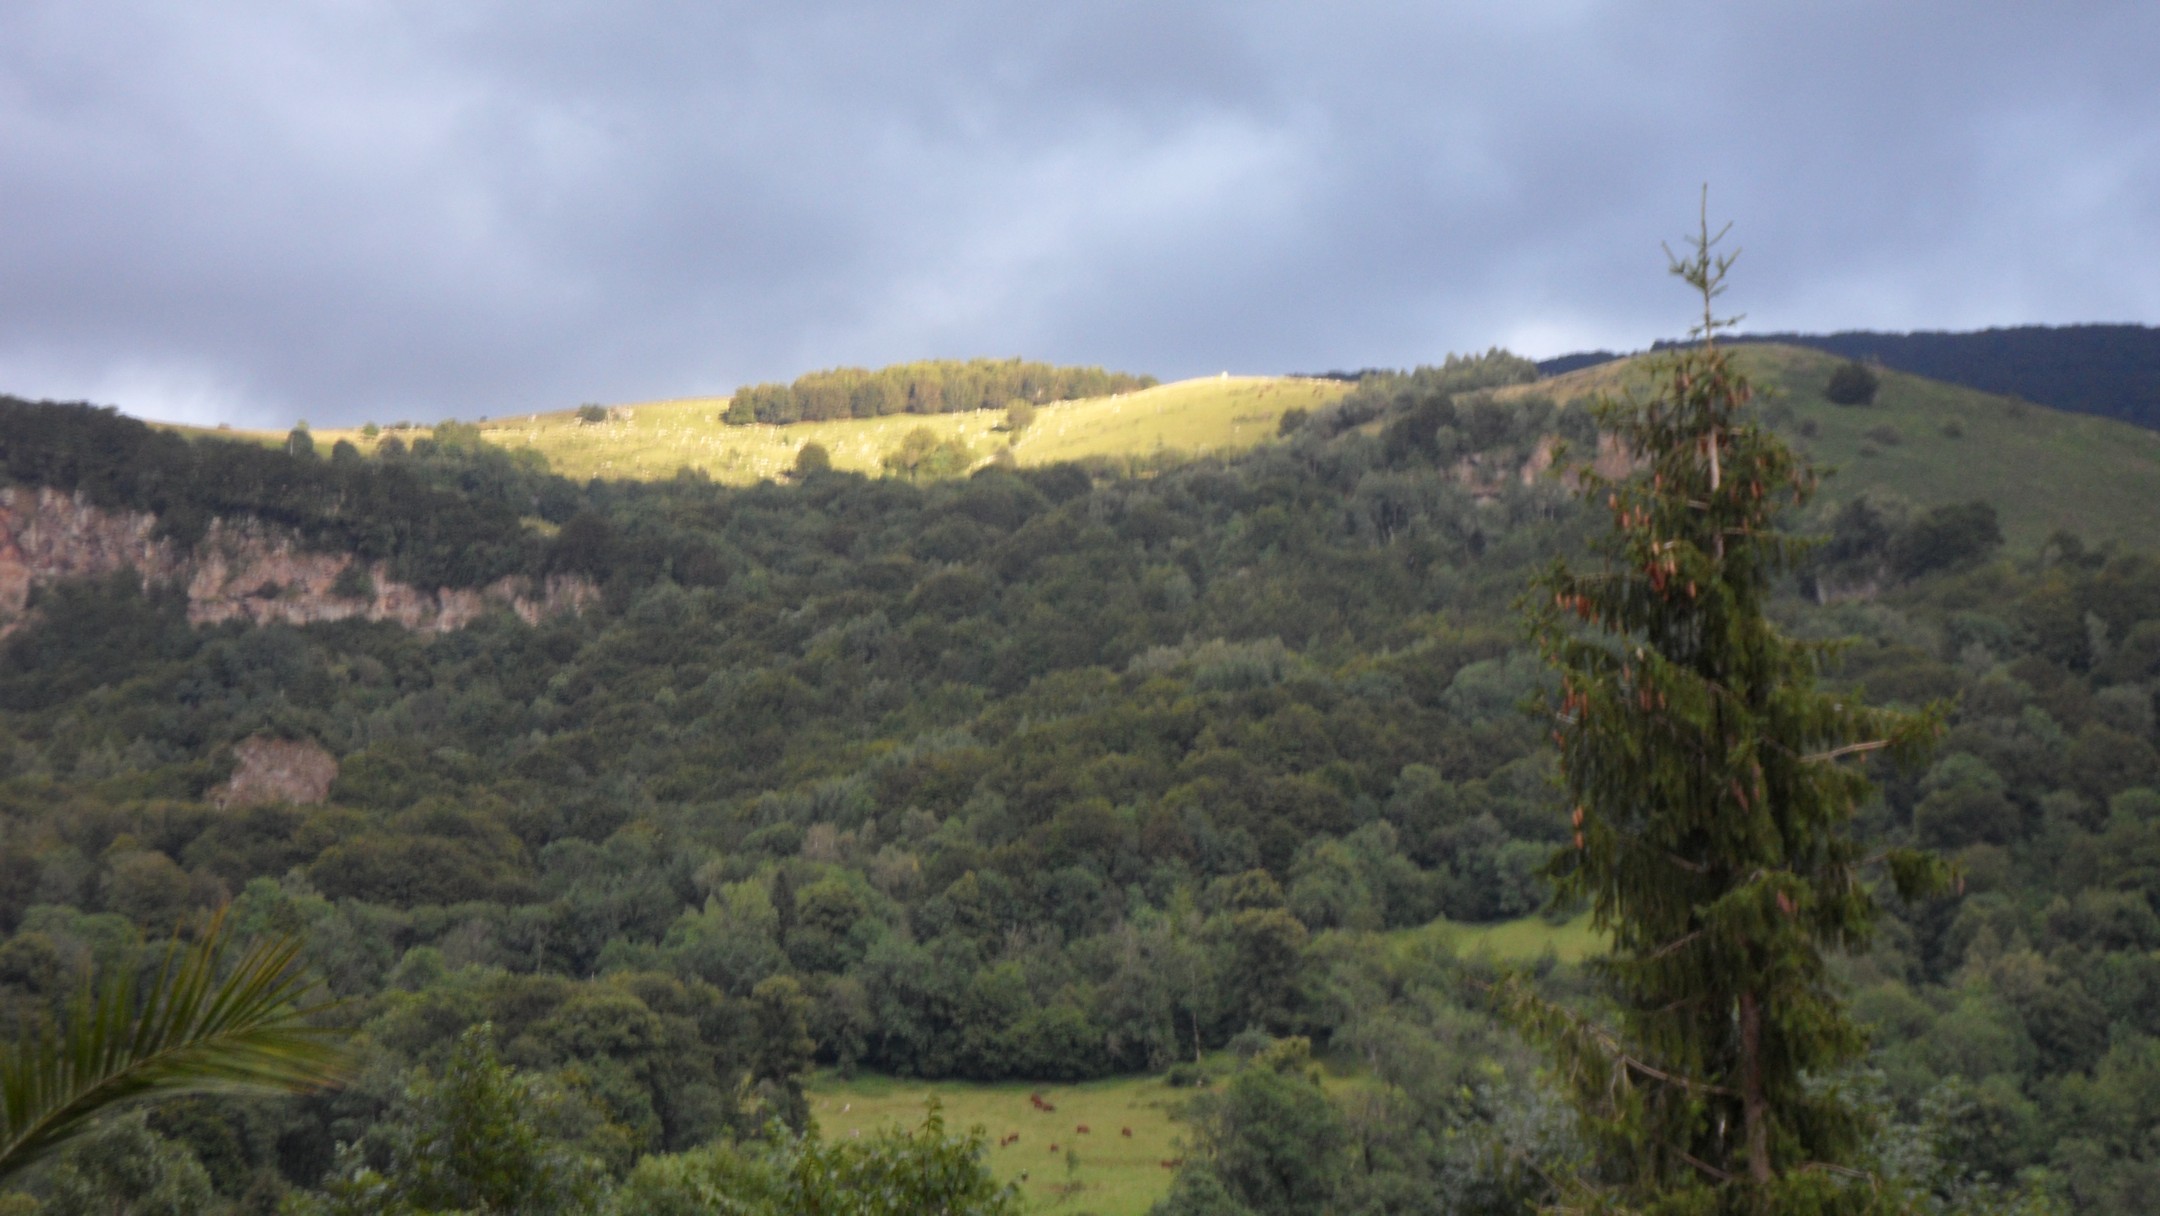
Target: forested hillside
1039,773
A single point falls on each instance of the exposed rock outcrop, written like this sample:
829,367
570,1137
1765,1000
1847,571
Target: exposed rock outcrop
267,770
240,570
1484,475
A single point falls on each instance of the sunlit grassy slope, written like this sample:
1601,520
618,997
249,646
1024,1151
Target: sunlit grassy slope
1923,441
657,438
1929,443
1212,414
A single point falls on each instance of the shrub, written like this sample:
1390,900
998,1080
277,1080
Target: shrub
810,460
1945,537
1853,383
1187,1076
354,583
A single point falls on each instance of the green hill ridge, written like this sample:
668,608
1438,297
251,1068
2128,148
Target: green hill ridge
1926,443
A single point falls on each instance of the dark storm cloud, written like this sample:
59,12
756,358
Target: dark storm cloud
347,210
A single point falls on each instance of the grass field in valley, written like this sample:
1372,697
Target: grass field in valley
1116,1174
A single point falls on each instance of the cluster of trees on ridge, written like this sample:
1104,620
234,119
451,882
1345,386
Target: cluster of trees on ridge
1049,774
937,386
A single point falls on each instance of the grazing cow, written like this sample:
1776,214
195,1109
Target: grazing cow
1053,1148
1125,1132
1081,1130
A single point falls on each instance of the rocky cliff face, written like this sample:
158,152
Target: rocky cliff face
271,770
241,570
1485,475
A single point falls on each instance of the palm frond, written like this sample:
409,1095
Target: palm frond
188,1032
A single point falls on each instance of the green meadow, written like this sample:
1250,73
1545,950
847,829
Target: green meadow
657,439
1112,1173
1926,443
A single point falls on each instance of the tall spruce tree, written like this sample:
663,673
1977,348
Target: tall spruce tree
1714,786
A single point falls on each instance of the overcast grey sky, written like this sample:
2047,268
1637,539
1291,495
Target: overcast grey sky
352,209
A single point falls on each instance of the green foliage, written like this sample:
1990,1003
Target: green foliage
935,387
354,583
1946,536
1713,817
475,1139
590,414
893,1173
1270,1140
462,534
92,634
1852,384
122,1166
189,1030
922,454
1058,772
812,460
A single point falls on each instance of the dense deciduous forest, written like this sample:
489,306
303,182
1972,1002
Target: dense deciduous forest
938,386
1037,774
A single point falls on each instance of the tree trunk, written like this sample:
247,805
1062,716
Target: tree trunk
1755,1108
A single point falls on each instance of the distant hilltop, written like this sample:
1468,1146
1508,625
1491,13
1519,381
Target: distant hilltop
2109,370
